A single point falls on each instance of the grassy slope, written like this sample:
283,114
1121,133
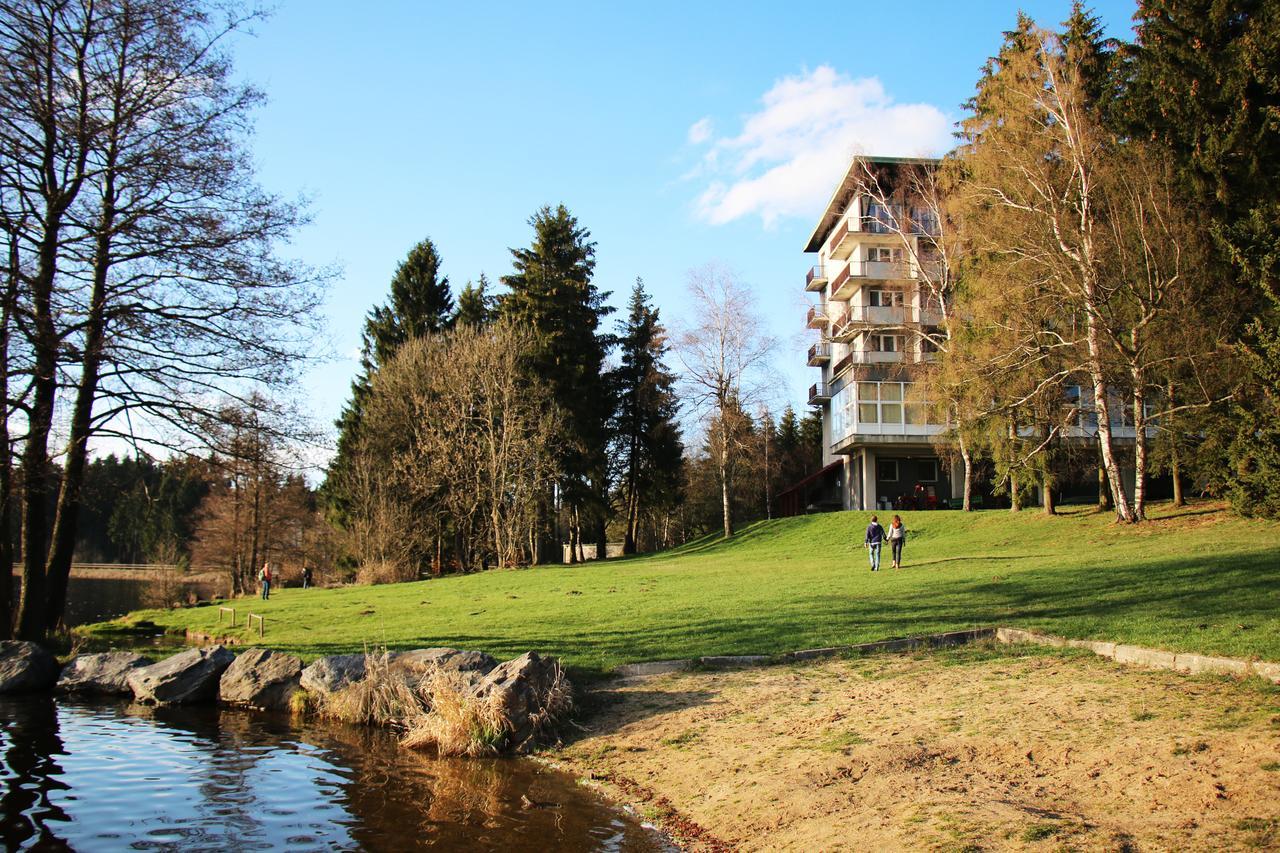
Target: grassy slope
1195,580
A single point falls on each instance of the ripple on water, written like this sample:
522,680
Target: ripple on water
114,776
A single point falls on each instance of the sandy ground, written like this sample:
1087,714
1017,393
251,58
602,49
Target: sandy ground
975,749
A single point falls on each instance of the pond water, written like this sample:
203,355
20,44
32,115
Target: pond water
122,776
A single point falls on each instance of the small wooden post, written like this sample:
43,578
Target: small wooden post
248,623
232,611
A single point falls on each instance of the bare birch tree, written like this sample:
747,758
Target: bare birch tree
725,354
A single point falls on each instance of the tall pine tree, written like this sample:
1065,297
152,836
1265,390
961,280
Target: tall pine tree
420,303
552,294
647,447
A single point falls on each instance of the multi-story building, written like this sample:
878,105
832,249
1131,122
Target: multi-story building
873,319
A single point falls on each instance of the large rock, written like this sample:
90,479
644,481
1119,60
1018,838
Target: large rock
532,693
191,676
260,678
330,674
422,662
107,672
26,667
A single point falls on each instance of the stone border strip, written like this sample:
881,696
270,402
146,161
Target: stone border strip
1118,652
1152,658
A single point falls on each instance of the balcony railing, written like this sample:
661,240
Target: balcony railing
816,278
819,354
859,319
841,284
882,270
819,393
840,246
817,317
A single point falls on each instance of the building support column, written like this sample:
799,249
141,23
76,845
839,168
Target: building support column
868,479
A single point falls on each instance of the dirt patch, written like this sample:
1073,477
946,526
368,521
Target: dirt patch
976,748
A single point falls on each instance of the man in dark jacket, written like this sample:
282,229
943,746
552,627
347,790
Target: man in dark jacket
875,538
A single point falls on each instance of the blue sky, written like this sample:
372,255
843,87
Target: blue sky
678,133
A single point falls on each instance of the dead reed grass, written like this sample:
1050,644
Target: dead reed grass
382,698
459,723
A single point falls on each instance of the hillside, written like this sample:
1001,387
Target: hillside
1196,579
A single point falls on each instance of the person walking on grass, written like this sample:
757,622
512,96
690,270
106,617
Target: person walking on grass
873,541
897,538
264,578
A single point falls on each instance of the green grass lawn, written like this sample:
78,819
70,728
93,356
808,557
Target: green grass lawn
1196,579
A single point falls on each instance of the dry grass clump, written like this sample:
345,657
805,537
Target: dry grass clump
556,704
459,723
385,571
381,698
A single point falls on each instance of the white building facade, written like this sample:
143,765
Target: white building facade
873,320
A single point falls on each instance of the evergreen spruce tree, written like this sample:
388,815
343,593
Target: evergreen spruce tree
1206,86
475,305
420,303
646,438
811,442
551,293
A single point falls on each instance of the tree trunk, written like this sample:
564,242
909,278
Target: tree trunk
1175,467
6,453
1104,493
37,476
1103,406
725,504
66,516
1047,479
1139,447
1015,496
968,474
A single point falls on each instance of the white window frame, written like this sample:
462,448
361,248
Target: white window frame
896,470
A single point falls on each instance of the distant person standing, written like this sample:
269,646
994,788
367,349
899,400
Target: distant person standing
306,577
873,541
897,538
264,579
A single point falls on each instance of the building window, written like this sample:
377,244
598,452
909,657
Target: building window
887,343
924,221
881,219
928,470
884,298
884,255
869,402
887,470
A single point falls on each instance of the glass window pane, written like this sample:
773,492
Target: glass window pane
915,413
867,413
867,392
890,391
891,413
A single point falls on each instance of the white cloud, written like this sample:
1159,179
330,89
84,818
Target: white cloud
700,131
790,153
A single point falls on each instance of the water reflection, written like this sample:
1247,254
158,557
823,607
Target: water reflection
95,777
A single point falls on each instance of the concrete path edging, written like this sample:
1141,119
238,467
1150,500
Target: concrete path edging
1151,658
1118,652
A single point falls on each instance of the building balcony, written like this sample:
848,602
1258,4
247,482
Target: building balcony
819,354
817,317
816,278
842,241
843,285
885,271
819,393
859,319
